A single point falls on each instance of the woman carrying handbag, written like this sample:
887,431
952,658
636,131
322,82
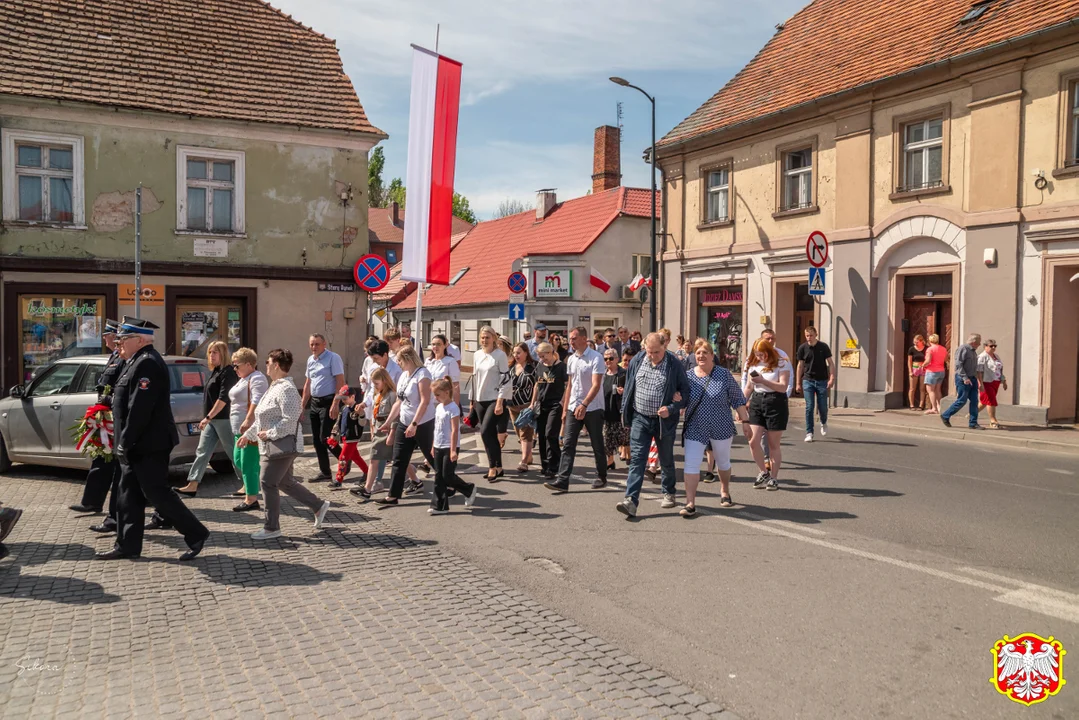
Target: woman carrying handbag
523,381
280,439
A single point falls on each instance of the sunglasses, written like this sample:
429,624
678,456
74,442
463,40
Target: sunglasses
992,346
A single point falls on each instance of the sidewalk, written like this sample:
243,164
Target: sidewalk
1055,438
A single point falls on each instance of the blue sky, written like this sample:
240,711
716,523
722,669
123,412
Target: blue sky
535,85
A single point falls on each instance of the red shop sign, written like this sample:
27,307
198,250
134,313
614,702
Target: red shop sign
726,296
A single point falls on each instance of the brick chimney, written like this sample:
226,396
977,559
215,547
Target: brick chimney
395,214
606,159
545,201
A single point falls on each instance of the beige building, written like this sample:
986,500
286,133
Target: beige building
936,145
253,177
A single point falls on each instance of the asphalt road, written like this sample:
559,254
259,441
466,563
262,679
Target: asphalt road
873,585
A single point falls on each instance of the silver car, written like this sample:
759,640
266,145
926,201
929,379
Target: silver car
36,419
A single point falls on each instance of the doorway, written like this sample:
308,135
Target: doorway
196,319
1061,392
927,310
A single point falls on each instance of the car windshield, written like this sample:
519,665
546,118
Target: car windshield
187,379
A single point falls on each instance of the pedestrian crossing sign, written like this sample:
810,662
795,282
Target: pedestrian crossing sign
816,281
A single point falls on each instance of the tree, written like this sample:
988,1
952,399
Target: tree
461,208
510,206
376,192
396,192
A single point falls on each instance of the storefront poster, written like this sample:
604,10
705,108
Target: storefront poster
89,332
721,322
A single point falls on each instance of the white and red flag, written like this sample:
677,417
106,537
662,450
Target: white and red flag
597,280
640,281
432,153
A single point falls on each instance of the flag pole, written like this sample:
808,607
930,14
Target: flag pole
417,332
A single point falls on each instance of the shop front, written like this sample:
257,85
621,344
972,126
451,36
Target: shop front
46,322
720,320
196,317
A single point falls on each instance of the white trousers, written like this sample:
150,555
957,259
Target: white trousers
721,449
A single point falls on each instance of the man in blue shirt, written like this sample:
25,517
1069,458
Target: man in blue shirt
538,336
325,377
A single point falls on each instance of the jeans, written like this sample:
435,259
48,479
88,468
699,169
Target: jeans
816,393
446,476
489,431
548,426
247,460
641,434
321,427
217,432
594,422
277,478
964,394
403,447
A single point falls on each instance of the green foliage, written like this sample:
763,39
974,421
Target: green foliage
462,210
396,192
376,190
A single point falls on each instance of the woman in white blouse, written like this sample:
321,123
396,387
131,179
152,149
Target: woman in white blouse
414,413
277,416
441,365
243,398
490,392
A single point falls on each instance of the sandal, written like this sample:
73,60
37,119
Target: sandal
240,493
725,501
652,475
994,426
523,467
688,511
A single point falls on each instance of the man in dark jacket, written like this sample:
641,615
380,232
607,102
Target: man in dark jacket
145,436
656,390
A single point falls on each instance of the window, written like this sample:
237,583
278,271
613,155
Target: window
923,154
210,191
42,178
717,195
797,179
975,12
1073,124
55,380
391,257
88,382
642,265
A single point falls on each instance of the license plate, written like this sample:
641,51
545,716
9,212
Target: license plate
192,428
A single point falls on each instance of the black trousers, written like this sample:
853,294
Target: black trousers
321,427
403,447
102,477
146,479
548,425
489,430
446,476
593,421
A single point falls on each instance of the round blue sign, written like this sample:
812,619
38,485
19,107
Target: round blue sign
371,273
517,282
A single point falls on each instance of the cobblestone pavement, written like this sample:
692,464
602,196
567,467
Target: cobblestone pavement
360,619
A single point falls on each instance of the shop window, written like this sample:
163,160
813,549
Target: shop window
53,327
923,154
42,178
201,321
210,191
720,321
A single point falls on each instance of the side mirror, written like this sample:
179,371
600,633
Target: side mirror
18,391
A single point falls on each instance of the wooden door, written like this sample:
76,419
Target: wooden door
922,317
202,321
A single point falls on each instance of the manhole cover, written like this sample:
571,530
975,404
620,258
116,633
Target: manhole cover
547,564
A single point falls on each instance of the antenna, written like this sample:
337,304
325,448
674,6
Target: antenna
619,116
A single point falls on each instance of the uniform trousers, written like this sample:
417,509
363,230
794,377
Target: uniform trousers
145,479
103,476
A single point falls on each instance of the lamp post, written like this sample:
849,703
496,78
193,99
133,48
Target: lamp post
652,159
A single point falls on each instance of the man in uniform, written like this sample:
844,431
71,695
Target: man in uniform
145,436
104,474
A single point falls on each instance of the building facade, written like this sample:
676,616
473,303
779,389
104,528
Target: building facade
253,201
945,176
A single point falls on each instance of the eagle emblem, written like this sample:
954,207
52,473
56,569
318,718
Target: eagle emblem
1028,669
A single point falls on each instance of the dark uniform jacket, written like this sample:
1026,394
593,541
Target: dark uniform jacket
106,383
141,410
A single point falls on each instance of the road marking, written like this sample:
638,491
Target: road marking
780,523
1035,598
1059,471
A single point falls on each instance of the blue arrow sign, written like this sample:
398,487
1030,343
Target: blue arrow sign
816,281
517,311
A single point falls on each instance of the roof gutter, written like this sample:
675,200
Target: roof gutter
953,60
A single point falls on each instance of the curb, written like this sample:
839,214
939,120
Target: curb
983,437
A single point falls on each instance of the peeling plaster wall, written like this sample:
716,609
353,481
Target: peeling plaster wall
290,197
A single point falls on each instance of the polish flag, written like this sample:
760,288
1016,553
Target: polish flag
640,281
432,151
598,280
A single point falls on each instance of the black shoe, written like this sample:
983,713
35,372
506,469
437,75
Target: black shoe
158,523
321,477
386,501
194,549
8,518
105,527
557,487
186,493
114,554
244,507
708,477
599,483
762,480
361,492
425,467
612,466
946,421
80,508
415,488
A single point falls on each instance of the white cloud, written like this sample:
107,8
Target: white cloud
516,170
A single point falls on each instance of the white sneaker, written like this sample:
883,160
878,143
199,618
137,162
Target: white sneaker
809,437
265,534
471,499
321,514
433,511
823,429
668,501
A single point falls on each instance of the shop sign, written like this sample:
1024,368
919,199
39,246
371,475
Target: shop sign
151,294
35,310
211,247
724,296
552,283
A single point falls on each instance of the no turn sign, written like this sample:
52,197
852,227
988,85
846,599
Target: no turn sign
817,249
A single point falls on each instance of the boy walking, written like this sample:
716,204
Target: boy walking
816,376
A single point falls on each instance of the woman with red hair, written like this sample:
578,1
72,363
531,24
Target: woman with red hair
766,389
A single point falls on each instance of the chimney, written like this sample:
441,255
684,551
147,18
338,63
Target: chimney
606,159
395,214
545,202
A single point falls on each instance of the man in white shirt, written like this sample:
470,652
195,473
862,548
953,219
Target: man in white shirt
583,407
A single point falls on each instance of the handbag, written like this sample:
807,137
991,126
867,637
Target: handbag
283,448
525,418
473,419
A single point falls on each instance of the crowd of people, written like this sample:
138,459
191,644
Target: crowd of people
626,393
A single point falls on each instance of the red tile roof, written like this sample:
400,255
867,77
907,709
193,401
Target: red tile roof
491,247
832,46
380,227
230,59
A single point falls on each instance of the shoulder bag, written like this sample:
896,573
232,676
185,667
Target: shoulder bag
285,447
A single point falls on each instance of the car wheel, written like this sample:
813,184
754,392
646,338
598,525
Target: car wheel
5,462
222,467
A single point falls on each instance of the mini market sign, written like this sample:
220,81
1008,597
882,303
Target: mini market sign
552,283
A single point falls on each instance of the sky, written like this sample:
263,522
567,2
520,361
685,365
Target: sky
535,77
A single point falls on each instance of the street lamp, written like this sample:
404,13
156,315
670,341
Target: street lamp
652,159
